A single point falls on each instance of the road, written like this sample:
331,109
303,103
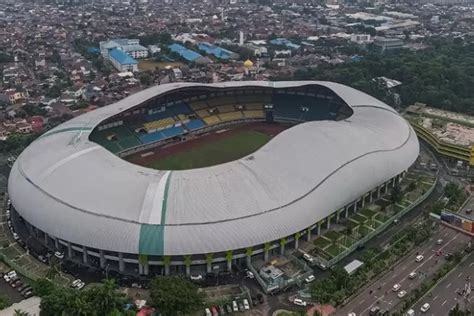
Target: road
386,298
445,295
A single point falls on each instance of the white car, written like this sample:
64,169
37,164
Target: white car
59,255
246,305
425,308
412,275
402,293
396,287
9,276
410,312
299,302
75,282
419,258
352,314
196,277
439,241
250,275
208,312
310,279
80,285
309,258
15,236
235,308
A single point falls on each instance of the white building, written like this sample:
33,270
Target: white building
131,47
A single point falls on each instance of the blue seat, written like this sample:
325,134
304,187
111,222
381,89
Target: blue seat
194,124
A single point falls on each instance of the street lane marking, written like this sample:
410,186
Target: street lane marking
472,264
361,302
435,297
447,286
444,302
459,275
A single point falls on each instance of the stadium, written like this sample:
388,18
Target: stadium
183,177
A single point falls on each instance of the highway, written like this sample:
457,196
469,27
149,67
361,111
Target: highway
381,290
446,294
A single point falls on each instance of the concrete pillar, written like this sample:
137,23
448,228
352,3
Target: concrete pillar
266,255
378,192
121,262
318,229
56,243
102,259
355,207
370,197
338,216
308,235
46,239
346,211
84,255
146,268
386,187
69,250
282,249
140,269
296,242
229,265
167,269
328,223
363,202
394,181
209,267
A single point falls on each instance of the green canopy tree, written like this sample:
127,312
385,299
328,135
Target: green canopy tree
174,295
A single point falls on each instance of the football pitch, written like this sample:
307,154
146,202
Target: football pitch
237,145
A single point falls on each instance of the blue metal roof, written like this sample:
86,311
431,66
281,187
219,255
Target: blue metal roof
121,57
219,52
187,54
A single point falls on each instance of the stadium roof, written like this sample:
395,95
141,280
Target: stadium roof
121,57
78,191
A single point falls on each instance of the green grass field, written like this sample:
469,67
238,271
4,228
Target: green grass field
236,146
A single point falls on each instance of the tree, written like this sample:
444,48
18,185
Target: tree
145,78
105,298
396,195
174,295
19,312
4,302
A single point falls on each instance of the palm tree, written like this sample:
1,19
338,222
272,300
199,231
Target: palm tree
19,312
209,258
187,262
54,269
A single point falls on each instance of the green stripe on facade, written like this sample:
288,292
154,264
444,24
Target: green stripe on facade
152,236
69,129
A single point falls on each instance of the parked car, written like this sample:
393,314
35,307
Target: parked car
16,283
412,275
410,312
196,277
207,311
8,276
15,236
80,285
25,290
299,302
439,241
250,275
235,308
425,308
396,287
448,256
309,258
310,279
42,259
28,294
401,294
214,311
246,304
419,258
228,308
59,255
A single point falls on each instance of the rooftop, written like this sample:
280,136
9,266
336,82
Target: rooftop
121,57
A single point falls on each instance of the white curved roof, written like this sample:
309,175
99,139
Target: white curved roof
78,191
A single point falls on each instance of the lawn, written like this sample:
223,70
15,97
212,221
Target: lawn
367,213
237,145
334,250
150,64
333,235
321,242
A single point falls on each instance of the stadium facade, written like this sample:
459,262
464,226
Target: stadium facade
78,195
